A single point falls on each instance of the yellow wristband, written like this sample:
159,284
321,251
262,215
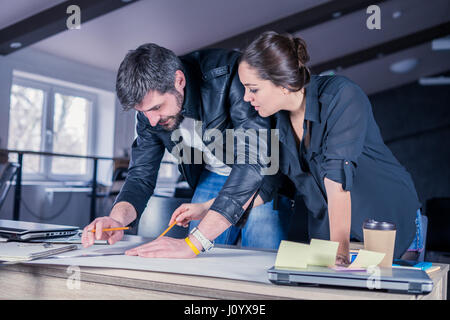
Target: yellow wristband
191,245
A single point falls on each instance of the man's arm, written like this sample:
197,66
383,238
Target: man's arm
123,212
146,155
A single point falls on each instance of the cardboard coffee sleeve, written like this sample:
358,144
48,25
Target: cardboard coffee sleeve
380,237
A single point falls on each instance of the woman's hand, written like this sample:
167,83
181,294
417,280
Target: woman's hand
190,211
342,260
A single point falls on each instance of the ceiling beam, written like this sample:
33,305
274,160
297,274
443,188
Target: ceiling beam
298,21
384,49
52,21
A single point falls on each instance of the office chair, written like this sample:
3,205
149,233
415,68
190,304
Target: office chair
438,213
6,178
156,217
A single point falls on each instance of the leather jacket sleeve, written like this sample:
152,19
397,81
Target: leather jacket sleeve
146,155
246,178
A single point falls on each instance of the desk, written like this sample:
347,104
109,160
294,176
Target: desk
43,281
51,282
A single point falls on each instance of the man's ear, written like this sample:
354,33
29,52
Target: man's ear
180,80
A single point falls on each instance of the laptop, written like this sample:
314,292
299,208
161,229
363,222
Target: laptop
24,231
76,239
402,280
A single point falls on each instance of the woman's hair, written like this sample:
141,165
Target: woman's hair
280,58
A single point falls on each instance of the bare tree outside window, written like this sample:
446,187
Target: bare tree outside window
25,124
70,134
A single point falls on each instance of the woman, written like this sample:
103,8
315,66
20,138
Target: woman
330,147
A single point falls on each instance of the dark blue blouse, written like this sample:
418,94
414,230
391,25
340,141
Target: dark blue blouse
346,146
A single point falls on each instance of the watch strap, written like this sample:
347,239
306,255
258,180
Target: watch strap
206,244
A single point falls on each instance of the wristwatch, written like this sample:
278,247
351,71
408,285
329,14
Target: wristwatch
206,244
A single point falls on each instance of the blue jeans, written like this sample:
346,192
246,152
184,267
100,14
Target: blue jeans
265,227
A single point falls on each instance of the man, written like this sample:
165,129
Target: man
196,93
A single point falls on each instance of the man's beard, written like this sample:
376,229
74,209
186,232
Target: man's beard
178,118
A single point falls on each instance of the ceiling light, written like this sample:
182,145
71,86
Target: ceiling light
435,81
331,72
404,66
15,45
336,14
396,14
441,44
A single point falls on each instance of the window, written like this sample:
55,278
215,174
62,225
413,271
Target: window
51,118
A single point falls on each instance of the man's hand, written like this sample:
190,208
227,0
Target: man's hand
88,237
122,214
164,247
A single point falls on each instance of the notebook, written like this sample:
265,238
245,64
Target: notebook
24,251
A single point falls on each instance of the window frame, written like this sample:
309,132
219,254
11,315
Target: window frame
47,120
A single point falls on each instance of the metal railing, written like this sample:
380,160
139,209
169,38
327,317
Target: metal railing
18,187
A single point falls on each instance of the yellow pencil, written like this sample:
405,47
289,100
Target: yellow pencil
113,229
167,230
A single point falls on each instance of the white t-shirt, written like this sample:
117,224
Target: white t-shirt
193,138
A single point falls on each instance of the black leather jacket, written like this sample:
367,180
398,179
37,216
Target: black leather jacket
213,95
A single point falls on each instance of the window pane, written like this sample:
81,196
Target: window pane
25,123
70,134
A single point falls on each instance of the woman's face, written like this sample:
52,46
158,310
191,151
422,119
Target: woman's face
263,95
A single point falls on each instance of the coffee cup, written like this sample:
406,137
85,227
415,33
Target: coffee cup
380,237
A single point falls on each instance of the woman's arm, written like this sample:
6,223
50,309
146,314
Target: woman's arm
197,211
339,213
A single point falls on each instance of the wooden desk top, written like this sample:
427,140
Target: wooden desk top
27,281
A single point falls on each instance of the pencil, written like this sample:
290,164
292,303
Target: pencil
167,230
113,229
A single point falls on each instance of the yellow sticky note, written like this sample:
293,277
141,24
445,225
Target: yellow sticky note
292,255
322,252
366,258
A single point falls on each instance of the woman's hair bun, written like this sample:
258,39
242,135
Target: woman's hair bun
302,52
280,58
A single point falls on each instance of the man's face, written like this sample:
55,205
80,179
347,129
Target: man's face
164,109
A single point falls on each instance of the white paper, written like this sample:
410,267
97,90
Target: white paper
239,264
